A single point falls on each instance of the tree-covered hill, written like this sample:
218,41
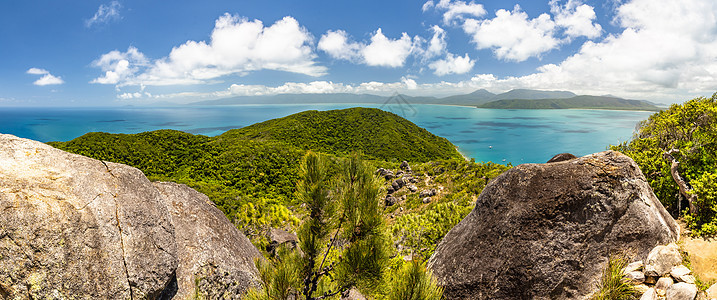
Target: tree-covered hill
372,132
577,102
251,173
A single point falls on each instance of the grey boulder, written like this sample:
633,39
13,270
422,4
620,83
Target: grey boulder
546,230
215,260
75,227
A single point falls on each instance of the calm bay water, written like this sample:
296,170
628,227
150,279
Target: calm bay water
502,136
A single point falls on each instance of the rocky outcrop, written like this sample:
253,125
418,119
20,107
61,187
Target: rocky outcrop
214,259
546,230
75,227
562,157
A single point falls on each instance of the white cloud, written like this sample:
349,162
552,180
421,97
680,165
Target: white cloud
437,45
386,52
46,79
337,45
455,10
577,19
105,13
651,57
380,51
513,36
119,66
37,71
452,65
237,46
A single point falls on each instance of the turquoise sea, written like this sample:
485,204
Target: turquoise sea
501,136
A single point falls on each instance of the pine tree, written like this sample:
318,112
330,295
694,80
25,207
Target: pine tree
343,237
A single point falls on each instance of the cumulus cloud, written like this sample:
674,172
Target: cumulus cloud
119,66
46,79
386,52
577,19
452,65
455,10
650,57
337,45
437,45
380,51
512,35
37,71
105,13
236,46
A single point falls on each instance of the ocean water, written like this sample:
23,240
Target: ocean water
501,136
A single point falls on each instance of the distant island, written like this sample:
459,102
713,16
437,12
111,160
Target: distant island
513,99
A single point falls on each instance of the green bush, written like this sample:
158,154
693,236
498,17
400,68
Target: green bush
613,285
690,129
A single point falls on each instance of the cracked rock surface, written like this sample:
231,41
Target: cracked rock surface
73,227
215,260
545,231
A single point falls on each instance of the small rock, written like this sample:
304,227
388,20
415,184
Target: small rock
413,188
390,190
681,291
679,271
352,294
399,173
427,193
635,277
650,279
641,288
404,166
398,184
635,266
712,292
279,237
426,199
661,260
387,174
687,279
664,283
650,294
390,201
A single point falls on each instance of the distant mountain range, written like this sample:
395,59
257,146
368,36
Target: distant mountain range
514,99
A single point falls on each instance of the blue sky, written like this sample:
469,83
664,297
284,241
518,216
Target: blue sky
86,53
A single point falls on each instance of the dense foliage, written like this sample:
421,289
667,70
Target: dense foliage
688,132
372,132
251,173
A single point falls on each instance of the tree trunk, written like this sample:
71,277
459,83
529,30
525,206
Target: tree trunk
685,190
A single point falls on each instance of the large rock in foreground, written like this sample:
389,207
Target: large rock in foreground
72,227
546,230
216,261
